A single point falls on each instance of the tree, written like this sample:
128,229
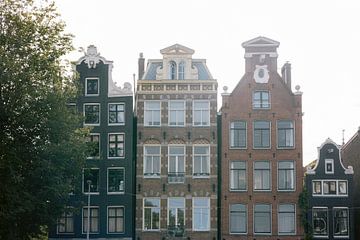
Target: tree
42,148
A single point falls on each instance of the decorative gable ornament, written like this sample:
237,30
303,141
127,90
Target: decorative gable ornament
261,74
92,57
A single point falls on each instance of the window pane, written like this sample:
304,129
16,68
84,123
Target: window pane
320,221
341,222
286,219
116,180
238,221
262,218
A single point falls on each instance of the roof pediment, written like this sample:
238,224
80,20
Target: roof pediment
177,49
260,42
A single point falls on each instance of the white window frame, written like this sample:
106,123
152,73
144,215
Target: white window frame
338,194
331,161
159,207
181,74
269,233
84,114
327,221
202,110
95,134
206,208
144,161
107,219
177,161
231,135
289,234
116,124
82,219
261,101
270,177
230,176
246,220
277,134
152,113
348,222
287,169
201,174
107,181
172,66
86,87
108,145
176,215
176,113
83,187
66,217
261,147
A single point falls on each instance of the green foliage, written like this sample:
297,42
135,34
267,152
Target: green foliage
304,207
42,149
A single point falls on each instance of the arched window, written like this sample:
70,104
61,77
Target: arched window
172,70
181,70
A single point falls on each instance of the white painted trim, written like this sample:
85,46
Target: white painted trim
160,110
337,188
144,160
107,181
286,190
193,164
327,222
270,177
278,219
246,215
253,128
193,111
277,134
57,224
176,217
209,214
92,95
348,221
252,100
246,176
184,110
107,219
177,160
96,134
108,145
92,124
108,114
143,217
91,193
331,161
246,134
82,219
262,234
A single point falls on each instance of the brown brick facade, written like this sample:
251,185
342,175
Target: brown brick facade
238,105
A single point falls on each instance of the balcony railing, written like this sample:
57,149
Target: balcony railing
176,230
176,177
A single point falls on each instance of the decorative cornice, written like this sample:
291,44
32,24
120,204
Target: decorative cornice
92,57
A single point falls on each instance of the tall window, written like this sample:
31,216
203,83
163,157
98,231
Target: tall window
91,86
172,70
261,100
201,160
151,214
316,187
329,166
238,134
116,145
238,176
201,214
93,145
286,219
201,113
152,113
66,222
94,219
152,161
176,113
115,219
116,113
261,134
285,134
286,175
329,187
181,70
262,219
238,218
116,180
262,175
92,113
341,222
176,212
320,221
176,172
91,174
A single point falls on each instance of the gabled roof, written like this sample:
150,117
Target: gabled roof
177,49
260,42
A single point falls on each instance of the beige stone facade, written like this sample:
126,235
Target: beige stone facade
176,178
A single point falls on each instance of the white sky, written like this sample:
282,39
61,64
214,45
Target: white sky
321,39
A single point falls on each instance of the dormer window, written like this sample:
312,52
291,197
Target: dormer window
329,166
172,70
181,70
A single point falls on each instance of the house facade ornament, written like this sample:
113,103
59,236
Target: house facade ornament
92,57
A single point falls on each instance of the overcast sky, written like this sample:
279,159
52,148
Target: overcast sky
321,39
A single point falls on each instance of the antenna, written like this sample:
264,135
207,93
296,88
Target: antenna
343,140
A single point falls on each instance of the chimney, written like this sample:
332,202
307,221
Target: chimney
286,74
141,64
